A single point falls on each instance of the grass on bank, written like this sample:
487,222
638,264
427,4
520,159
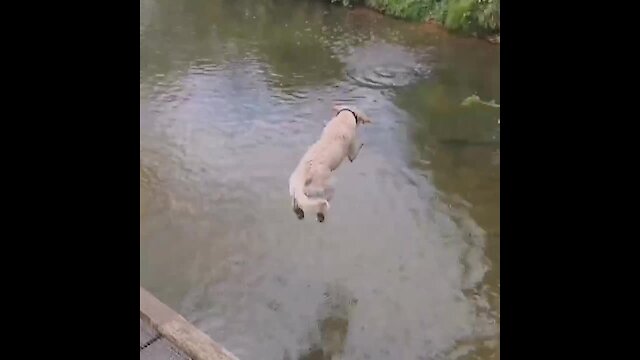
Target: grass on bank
478,17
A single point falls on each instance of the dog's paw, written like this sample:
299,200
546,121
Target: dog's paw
320,217
299,213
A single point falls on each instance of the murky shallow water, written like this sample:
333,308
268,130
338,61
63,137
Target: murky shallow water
406,265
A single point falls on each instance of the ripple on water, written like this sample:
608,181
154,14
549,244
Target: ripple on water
387,76
382,65
204,67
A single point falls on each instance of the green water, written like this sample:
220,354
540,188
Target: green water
406,265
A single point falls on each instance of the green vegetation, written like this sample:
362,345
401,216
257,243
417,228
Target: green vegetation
479,17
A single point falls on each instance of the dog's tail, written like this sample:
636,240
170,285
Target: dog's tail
297,190
306,202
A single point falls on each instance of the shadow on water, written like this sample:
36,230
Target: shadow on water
232,93
330,334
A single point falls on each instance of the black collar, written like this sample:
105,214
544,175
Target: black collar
354,114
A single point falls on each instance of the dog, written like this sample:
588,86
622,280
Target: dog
310,184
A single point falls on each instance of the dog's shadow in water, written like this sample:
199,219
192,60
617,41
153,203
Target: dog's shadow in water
332,325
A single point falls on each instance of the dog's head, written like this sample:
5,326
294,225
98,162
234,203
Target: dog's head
361,117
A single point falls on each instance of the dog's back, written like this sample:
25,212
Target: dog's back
332,147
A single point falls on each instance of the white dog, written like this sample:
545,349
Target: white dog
310,183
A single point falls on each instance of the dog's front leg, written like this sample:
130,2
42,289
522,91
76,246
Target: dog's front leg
354,149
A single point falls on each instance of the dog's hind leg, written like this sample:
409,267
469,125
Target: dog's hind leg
297,210
321,212
329,194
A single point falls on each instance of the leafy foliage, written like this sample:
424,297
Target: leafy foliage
481,17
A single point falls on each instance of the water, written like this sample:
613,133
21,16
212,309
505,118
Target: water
406,265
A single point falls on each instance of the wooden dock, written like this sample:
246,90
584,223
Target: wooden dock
164,335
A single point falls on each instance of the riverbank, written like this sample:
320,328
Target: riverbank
479,18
